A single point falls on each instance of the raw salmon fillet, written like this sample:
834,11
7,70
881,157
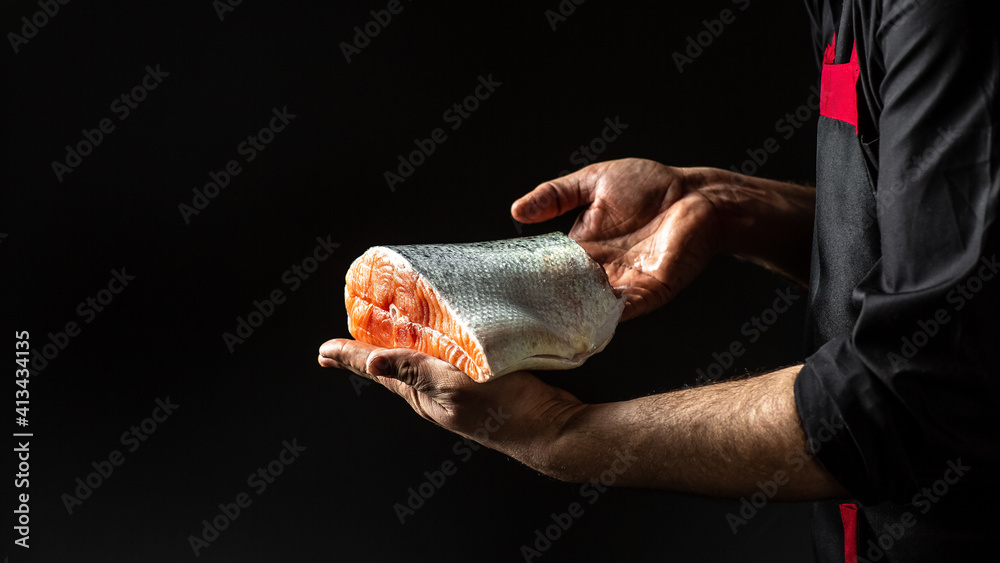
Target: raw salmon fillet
489,308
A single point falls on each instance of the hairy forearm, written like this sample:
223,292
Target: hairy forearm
765,221
719,440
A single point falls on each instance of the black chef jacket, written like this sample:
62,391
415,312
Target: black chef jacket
900,398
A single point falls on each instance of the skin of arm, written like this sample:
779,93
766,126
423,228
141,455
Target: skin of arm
721,439
765,221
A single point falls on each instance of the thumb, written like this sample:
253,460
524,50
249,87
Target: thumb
413,368
555,197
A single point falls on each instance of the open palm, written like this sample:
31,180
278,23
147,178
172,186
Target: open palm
646,223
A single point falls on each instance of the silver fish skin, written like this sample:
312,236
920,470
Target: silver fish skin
536,302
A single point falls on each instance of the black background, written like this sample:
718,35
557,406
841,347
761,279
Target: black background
323,176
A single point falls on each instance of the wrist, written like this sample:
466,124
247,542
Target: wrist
766,221
726,191
556,449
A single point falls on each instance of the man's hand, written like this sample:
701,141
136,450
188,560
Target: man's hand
719,439
654,228
649,225
531,410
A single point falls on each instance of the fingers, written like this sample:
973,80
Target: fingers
635,306
643,293
346,354
555,197
394,368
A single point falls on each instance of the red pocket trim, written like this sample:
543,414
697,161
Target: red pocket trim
838,97
849,516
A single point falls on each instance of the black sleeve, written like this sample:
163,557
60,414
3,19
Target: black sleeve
915,384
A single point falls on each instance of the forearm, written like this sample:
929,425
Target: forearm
719,440
765,221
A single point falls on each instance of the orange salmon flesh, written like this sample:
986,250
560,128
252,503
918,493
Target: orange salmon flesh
391,306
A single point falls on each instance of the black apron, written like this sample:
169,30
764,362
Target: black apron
933,510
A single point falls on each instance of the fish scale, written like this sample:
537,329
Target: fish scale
488,307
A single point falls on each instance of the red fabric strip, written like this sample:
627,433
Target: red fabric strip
849,516
838,90
830,53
